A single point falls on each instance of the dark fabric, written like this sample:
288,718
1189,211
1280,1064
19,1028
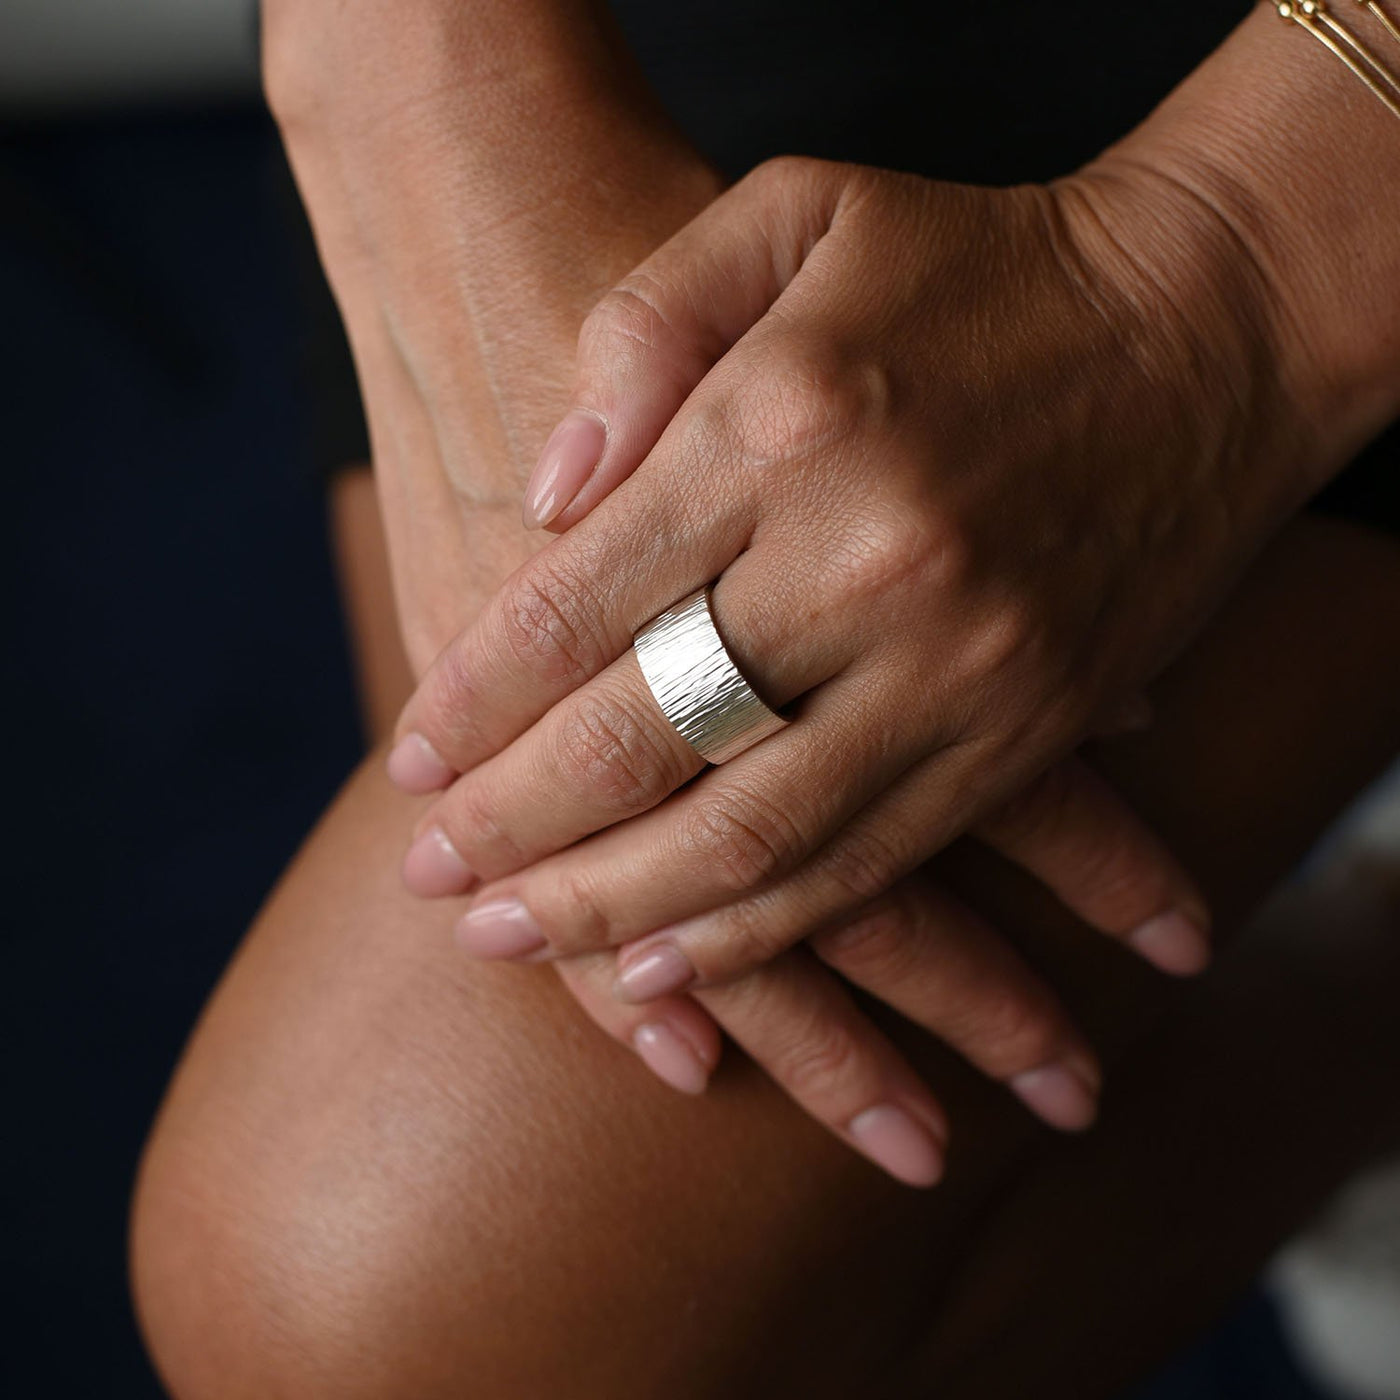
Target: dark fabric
990,92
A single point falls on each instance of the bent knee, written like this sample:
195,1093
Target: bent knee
239,1290
425,1251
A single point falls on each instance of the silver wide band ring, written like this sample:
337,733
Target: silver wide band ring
694,680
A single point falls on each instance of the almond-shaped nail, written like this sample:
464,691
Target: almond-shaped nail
416,766
1057,1094
892,1139
500,928
574,449
671,1057
433,867
1173,943
657,972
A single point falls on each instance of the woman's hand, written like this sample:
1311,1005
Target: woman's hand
423,210
969,468
931,958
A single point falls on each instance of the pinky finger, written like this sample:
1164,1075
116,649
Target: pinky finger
1080,839
672,1036
797,1022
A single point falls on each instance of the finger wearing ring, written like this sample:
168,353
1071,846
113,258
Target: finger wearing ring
604,753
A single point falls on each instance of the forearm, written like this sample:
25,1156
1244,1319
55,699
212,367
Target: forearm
499,161
476,172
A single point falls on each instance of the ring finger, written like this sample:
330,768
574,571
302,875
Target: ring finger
607,752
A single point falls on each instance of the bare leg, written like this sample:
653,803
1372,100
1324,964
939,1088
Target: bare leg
383,1170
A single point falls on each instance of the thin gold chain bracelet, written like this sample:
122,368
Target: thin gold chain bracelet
1348,45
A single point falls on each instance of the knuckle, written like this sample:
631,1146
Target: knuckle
863,866
783,174
631,314
1038,811
473,823
1121,884
1012,635
781,170
589,926
876,945
620,759
1012,640
745,840
821,1062
448,719
881,551
542,627
747,935
813,397
1011,1030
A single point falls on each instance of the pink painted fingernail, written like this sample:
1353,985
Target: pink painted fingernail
500,928
890,1137
574,449
671,1057
1057,1094
433,867
656,973
417,767
1173,943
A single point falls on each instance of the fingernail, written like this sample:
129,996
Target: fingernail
500,928
670,1057
417,767
893,1140
569,457
1173,943
658,972
433,867
1057,1094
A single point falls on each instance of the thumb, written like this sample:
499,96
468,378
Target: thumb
655,335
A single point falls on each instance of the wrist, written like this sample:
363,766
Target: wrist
1274,140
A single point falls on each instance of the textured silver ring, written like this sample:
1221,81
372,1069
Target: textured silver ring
694,680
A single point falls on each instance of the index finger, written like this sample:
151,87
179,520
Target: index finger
563,617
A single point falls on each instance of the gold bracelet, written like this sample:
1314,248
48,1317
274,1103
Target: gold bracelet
1350,47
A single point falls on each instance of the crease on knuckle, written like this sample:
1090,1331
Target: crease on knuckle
449,718
1098,863
589,927
1113,878
881,548
863,865
540,627
474,827
618,758
814,396
1038,811
740,938
1009,1030
630,316
821,1061
782,170
748,839
877,944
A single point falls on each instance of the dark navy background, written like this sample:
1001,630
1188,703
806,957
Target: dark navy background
181,701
